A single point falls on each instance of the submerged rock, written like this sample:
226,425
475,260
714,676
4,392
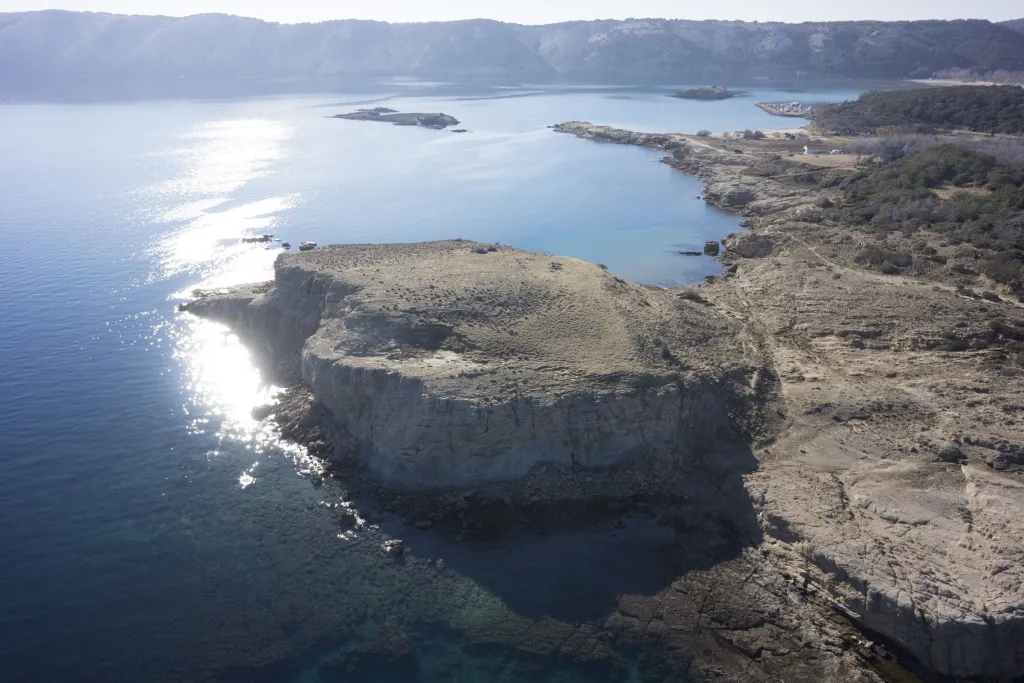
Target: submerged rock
389,657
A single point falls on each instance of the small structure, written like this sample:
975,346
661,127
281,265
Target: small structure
816,148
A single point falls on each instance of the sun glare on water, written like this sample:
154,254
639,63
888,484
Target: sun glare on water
208,214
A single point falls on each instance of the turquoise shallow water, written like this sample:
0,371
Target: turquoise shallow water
152,530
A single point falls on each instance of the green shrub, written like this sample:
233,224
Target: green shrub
989,109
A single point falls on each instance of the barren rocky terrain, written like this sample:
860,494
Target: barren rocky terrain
457,363
837,446
898,476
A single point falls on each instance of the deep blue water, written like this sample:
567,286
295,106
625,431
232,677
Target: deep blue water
153,531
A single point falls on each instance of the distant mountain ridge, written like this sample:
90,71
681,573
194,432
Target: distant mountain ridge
1015,24
73,44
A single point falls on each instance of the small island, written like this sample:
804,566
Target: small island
706,93
383,114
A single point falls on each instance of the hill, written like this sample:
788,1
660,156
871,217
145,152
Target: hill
76,44
987,109
1015,24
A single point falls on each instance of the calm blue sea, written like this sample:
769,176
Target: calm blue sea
151,530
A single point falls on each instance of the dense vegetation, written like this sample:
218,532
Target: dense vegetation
965,196
989,109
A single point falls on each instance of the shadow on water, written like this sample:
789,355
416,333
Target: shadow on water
580,570
572,575
555,586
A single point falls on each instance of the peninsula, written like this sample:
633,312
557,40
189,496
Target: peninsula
838,415
385,115
456,363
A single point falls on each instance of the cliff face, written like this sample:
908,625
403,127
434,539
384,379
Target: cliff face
56,43
454,365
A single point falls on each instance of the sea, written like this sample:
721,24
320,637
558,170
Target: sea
150,528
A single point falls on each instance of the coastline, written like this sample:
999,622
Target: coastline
871,406
857,355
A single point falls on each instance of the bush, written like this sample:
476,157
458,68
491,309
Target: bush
703,133
901,196
996,109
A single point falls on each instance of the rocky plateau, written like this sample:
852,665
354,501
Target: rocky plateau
851,487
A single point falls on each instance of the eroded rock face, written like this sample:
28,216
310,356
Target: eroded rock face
730,195
455,363
749,245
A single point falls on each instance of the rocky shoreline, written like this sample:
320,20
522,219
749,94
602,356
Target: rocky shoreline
887,478
873,518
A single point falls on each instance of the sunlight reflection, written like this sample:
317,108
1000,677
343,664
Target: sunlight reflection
204,245
221,156
222,385
221,377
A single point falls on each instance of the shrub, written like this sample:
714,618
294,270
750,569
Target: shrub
996,109
704,133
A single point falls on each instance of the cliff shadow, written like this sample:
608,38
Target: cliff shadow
577,565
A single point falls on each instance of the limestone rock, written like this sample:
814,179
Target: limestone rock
730,195
452,369
749,245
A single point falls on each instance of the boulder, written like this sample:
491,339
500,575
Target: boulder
951,453
749,245
963,269
730,195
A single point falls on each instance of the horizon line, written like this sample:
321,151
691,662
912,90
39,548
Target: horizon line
498,21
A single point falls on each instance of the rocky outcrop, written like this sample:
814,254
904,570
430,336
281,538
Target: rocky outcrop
893,495
454,363
729,195
384,115
749,245
619,136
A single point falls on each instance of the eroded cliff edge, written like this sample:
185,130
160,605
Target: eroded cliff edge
456,363
895,490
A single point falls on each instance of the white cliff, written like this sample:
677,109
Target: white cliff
455,363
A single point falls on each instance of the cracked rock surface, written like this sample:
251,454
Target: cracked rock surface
456,363
896,488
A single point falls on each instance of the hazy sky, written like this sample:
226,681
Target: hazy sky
545,11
